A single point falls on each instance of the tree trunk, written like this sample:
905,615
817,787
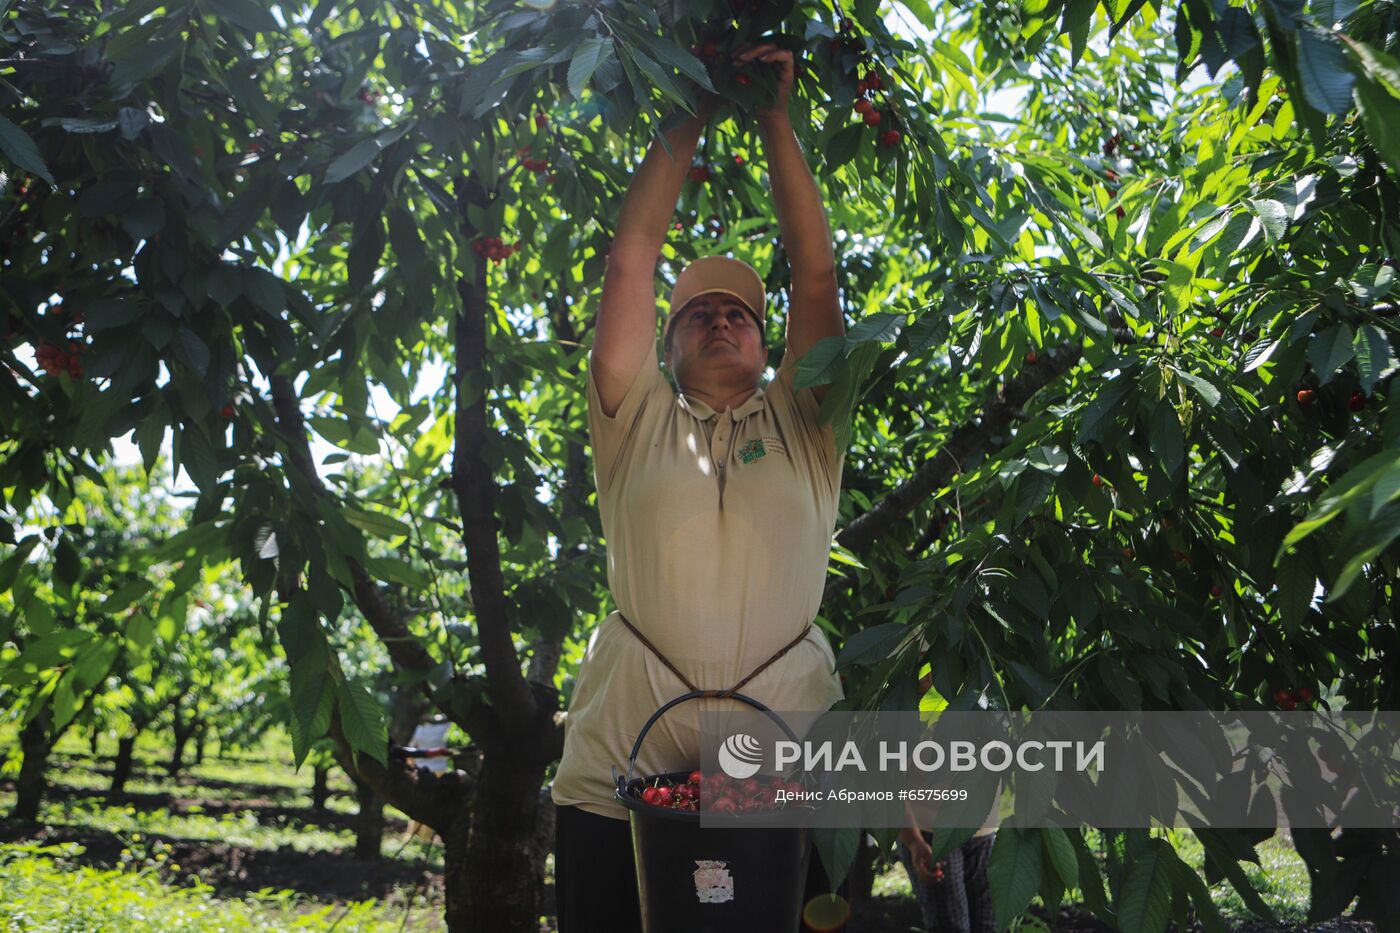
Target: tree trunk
320,791
184,728
369,822
199,736
121,765
493,863
35,745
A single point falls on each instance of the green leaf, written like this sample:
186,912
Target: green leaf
837,848
871,645
679,58
352,160
1168,441
394,570
1380,116
820,364
1330,350
1145,897
1296,585
191,350
1013,873
663,80
1357,482
20,149
312,693
843,146
1379,66
144,61
1372,281
1208,393
1374,359
362,718
1272,215
246,14
1060,853
376,523
881,327
1099,413
1259,354
197,457
1326,76
587,57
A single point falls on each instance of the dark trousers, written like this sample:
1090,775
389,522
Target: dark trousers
962,901
595,876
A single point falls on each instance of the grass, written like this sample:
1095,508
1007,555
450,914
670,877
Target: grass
45,892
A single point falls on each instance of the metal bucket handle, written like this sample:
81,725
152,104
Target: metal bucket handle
692,695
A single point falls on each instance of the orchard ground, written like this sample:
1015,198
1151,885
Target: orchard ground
235,842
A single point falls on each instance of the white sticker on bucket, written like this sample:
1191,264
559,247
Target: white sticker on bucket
713,883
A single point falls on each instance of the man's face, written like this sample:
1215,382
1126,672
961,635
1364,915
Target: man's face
716,333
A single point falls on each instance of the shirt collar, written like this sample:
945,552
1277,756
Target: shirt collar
704,412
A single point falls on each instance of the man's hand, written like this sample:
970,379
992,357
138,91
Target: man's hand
787,73
921,854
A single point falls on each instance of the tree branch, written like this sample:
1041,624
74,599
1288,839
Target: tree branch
406,650
512,698
1002,407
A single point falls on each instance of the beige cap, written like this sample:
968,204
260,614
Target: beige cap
718,274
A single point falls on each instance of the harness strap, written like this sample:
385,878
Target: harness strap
718,694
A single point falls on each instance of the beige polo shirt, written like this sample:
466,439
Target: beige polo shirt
718,528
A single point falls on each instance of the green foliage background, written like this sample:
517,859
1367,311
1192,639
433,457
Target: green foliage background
1120,357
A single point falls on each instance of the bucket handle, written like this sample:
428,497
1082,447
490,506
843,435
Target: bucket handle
692,695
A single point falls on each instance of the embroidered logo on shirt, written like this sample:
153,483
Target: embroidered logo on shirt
752,450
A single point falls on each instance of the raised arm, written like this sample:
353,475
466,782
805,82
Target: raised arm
815,310
625,336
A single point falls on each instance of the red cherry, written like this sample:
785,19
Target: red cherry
1180,557
847,25
723,805
1030,357
664,796
695,777
1119,213
1215,589
1098,480
890,137
738,159
651,795
742,79
1358,401
872,81
864,106
1302,695
1305,397
872,118
1217,332
1111,175
1128,553
1281,696
541,118
710,49
226,412
751,786
1289,704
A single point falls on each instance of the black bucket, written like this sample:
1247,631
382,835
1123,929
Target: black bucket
740,879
